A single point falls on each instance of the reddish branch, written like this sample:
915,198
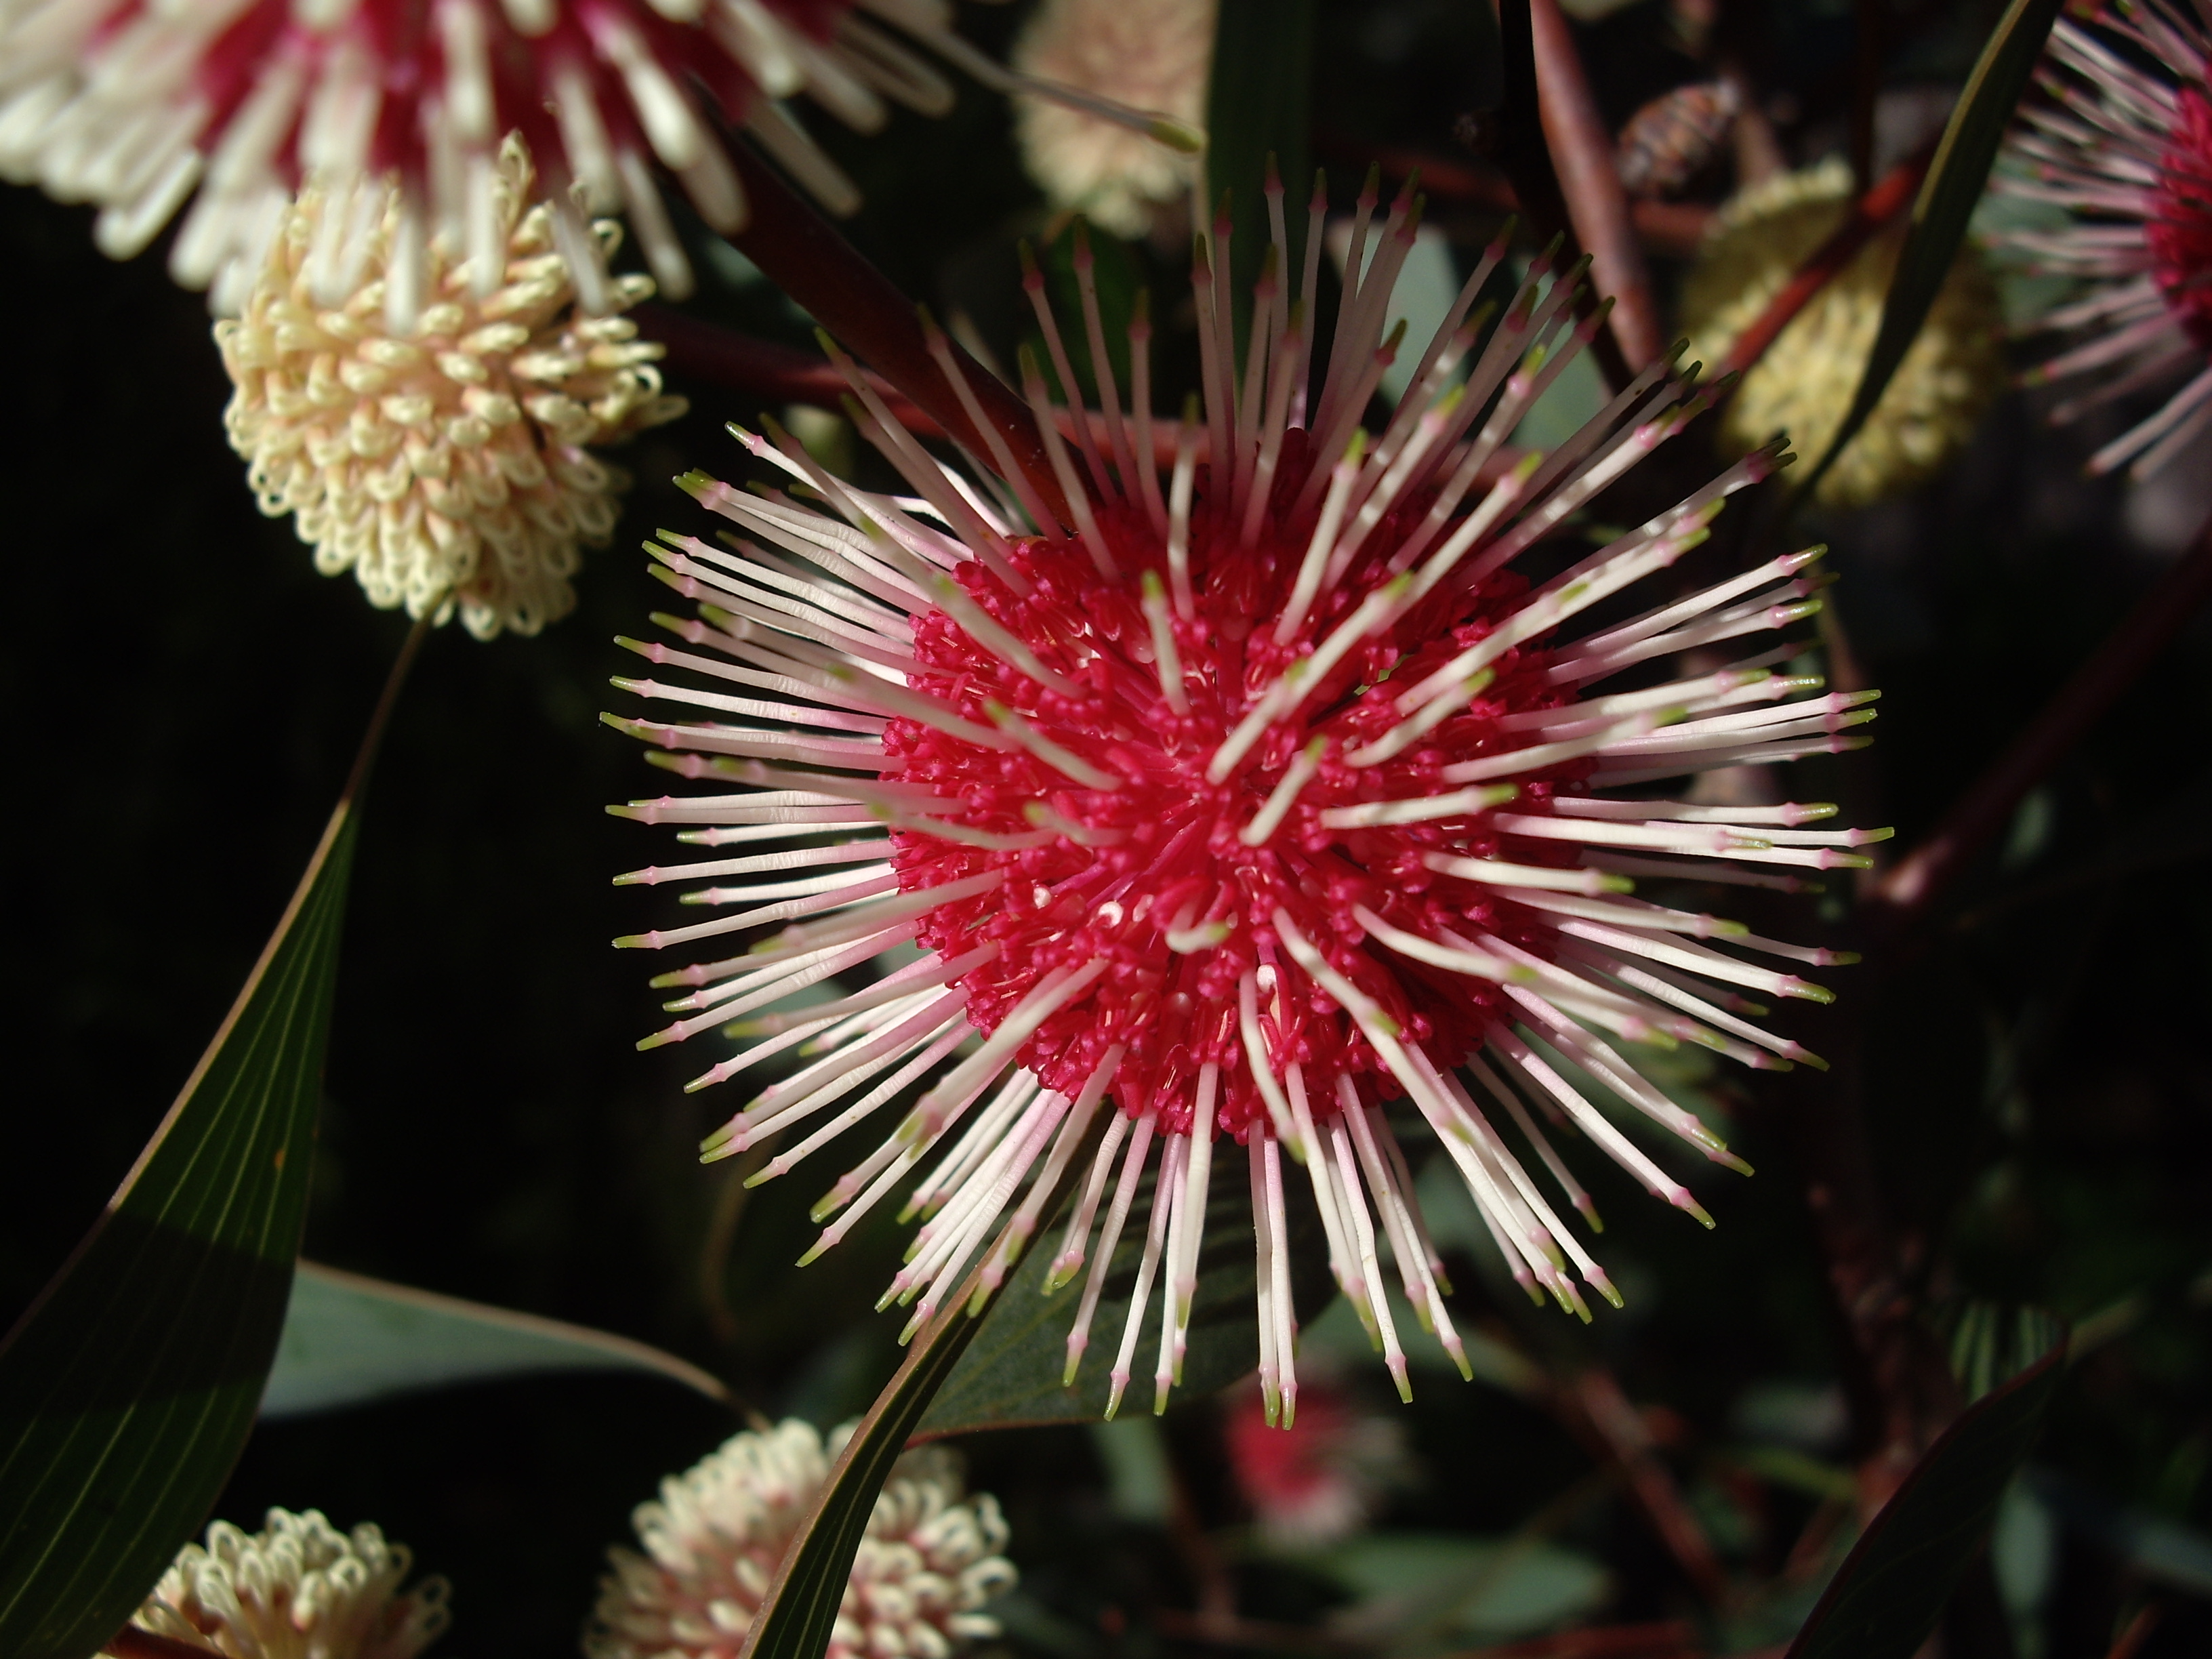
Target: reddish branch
1662,1639
1868,217
773,373
1673,228
1908,887
132,1643
1621,1435
803,254
1581,150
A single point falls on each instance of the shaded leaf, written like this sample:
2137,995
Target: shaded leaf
1259,102
1011,1374
349,1338
1890,1589
1947,202
1480,1589
799,1612
129,1386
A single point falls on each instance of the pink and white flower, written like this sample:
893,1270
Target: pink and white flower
136,107
2123,142
1232,806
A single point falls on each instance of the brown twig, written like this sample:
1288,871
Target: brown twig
1911,885
773,373
132,1643
1865,220
1581,152
1673,228
803,254
1621,1434
1666,1637
2137,1631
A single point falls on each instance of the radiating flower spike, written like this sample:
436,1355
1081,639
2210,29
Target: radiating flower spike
1259,804
138,109
2122,141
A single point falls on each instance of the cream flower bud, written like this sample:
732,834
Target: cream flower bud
298,1588
448,469
1148,54
929,1559
1953,372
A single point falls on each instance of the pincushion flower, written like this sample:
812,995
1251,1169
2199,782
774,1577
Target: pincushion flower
1322,1482
448,468
928,1561
1150,54
1247,807
1951,373
2123,142
135,107
298,1588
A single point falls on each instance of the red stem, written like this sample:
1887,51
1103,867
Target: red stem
132,1643
1911,885
1669,1637
1866,220
763,368
1582,157
1673,229
802,254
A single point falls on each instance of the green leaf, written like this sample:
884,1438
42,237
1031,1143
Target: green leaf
1011,1374
129,1386
1482,1590
799,1612
1948,198
1891,1589
1258,103
349,1338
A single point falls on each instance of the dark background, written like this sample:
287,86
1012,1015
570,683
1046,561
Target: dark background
185,695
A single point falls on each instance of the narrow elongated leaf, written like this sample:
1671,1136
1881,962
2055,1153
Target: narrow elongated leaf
1258,103
1890,1589
129,1386
800,1610
349,1338
1011,1374
1955,183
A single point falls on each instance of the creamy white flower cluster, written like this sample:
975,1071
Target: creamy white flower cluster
447,467
298,1588
928,1561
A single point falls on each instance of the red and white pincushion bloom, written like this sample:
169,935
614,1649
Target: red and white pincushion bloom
2123,142
136,106
1234,804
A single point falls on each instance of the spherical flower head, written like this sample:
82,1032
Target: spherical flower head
2121,138
135,108
446,464
1323,1480
928,1560
1149,54
298,1588
1951,373
1264,803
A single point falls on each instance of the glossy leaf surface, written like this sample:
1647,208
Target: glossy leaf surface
129,1386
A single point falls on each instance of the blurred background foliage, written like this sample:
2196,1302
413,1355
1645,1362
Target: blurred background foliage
188,694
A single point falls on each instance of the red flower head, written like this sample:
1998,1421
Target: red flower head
2124,142
1250,805
136,106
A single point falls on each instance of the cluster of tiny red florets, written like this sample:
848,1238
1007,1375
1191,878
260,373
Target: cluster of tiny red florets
2180,234
1169,855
